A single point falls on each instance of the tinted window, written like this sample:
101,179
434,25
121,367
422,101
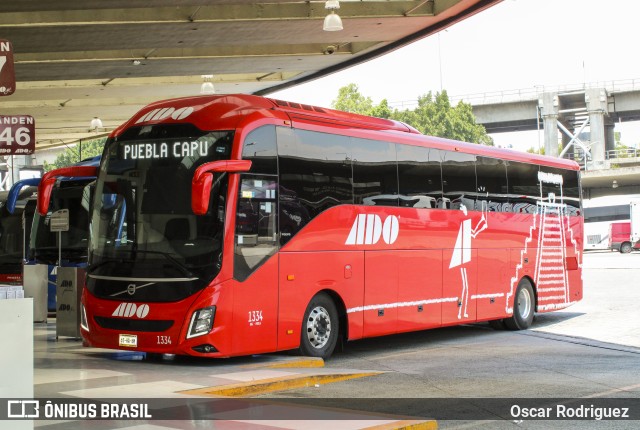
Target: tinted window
256,222
260,147
607,213
571,187
560,186
315,175
491,176
523,186
459,179
375,173
419,176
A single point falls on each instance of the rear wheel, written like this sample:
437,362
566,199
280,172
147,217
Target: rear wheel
523,305
320,327
625,248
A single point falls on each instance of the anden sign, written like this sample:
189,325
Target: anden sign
17,135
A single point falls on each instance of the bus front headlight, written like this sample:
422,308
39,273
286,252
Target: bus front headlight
201,322
83,318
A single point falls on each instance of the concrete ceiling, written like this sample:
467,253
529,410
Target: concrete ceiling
75,60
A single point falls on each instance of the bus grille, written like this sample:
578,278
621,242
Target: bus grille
134,325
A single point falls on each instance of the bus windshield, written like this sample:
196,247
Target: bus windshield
12,235
146,243
43,245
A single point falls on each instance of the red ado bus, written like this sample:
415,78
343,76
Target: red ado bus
232,225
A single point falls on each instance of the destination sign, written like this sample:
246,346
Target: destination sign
158,150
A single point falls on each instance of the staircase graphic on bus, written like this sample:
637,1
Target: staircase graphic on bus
550,274
552,225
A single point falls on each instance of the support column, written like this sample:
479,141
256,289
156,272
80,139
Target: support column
609,136
549,111
596,100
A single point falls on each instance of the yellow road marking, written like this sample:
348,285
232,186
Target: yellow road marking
407,425
302,362
275,384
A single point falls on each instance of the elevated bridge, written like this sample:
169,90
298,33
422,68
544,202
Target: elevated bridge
563,114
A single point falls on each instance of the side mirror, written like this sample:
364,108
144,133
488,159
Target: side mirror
14,192
49,180
203,180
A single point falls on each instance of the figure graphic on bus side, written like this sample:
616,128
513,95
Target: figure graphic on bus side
462,253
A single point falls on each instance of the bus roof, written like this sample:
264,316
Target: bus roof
232,110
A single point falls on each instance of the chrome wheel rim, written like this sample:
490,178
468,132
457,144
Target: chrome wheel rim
524,303
318,327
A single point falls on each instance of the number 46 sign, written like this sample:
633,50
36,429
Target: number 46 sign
17,135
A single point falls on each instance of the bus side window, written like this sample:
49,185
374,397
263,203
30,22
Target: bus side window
492,185
315,175
260,147
419,177
523,185
256,224
459,179
375,173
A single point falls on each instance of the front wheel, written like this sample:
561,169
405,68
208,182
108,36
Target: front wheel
320,327
625,248
523,305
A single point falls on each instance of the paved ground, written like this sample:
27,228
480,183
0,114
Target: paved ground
591,349
588,351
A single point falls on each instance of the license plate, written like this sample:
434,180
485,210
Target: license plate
129,340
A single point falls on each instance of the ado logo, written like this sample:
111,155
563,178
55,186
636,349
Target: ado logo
128,310
368,228
160,114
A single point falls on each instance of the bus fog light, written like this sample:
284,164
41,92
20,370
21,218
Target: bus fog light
201,322
83,318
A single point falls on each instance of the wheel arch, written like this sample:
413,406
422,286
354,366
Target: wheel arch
342,312
535,291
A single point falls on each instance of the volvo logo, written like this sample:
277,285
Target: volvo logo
132,289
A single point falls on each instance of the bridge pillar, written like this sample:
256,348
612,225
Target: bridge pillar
596,100
549,111
609,136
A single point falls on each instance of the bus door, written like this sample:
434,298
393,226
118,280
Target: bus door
255,303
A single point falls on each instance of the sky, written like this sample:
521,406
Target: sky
514,45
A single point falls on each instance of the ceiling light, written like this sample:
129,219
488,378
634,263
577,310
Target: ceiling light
96,123
207,86
332,22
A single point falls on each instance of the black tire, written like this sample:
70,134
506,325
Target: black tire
523,307
625,248
320,327
497,324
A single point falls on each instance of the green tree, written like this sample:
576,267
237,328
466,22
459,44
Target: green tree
350,100
434,114
71,155
622,150
533,150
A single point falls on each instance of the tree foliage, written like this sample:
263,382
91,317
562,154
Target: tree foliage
434,114
71,155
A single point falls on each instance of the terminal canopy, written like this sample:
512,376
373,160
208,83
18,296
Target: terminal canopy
77,62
